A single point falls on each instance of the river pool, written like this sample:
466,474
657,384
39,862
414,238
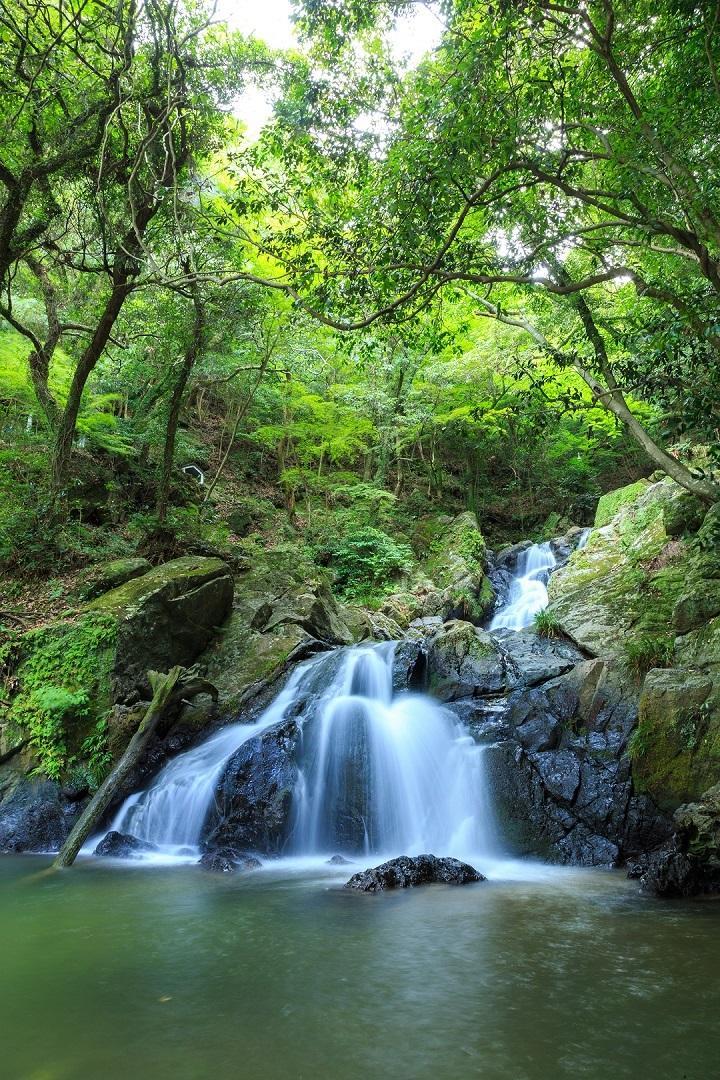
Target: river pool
135,971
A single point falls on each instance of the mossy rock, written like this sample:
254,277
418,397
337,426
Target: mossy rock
111,575
451,580
71,672
676,746
683,515
612,502
166,617
464,661
627,580
63,696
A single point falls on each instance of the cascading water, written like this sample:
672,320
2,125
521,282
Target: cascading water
528,592
386,774
172,811
378,773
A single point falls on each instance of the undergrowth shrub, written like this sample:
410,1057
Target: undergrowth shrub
547,624
365,561
63,700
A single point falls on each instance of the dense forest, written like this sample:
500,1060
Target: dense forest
372,358
485,282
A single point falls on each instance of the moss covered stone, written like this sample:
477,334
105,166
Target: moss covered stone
626,581
676,746
166,617
63,692
610,503
450,581
110,575
464,661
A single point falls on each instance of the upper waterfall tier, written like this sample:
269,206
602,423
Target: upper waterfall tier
528,592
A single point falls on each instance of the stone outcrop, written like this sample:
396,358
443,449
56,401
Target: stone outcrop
406,872
557,727
165,617
35,815
689,865
279,615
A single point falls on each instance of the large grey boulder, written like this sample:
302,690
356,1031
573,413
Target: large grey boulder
464,661
35,815
165,617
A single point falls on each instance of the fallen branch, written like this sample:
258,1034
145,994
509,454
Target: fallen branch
179,684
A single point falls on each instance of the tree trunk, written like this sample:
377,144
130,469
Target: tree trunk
191,354
85,367
166,690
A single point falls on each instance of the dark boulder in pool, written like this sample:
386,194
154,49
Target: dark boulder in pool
689,864
123,846
227,862
407,871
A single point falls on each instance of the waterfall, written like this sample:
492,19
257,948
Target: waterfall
171,812
528,592
584,536
378,773
385,774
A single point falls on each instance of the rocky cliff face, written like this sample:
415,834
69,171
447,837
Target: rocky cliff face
557,725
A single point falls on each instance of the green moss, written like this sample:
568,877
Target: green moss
63,699
609,504
675,750
187,570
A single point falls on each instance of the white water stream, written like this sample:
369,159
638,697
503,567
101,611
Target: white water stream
379,774
528,592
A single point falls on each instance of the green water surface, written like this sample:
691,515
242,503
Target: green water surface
137,972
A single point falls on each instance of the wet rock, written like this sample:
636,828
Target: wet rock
670,872
531,659
227,862
689,864
583,848
217,863
34,815
408,871
409,670
254,796
119,845
339,860
507,559
464,661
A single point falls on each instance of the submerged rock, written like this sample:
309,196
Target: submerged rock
227,862
339,860
123,846
407,871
